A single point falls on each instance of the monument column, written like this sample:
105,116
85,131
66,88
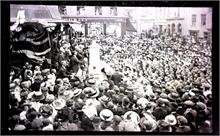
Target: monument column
94,60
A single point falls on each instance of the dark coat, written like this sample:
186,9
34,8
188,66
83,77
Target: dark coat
62,73
35,86
56,90
75,64
160,113
86,123
116,78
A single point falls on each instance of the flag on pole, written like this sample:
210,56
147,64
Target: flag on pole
33,41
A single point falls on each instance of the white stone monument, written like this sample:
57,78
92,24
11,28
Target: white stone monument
94,59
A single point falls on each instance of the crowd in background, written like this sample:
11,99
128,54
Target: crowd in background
158,84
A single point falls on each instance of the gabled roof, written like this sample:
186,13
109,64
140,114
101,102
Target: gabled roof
129,26
35,11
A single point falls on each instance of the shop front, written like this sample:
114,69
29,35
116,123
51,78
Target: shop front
113,29
117,26
95,28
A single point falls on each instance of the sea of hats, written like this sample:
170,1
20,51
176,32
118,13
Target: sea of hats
136,97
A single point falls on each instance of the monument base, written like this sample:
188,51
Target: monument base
95,72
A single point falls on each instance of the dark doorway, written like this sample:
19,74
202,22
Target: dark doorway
179,29
173,28
168,29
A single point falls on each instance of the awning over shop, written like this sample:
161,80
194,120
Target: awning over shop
129,26
33,12
54,12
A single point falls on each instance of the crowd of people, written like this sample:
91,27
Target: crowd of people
156,84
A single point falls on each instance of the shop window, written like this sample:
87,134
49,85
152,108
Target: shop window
193,20
173,28
80,10
98,10
179,28
62,9
203,19
113,11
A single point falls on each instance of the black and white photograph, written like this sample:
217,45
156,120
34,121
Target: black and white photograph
110,68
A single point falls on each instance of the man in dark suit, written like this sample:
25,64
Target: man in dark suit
116,77
63,71
75,62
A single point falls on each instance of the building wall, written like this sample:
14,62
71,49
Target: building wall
198,26
186,14
173,16
71,10
209,18
145,18
34,13
184,17
105,20
90,11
